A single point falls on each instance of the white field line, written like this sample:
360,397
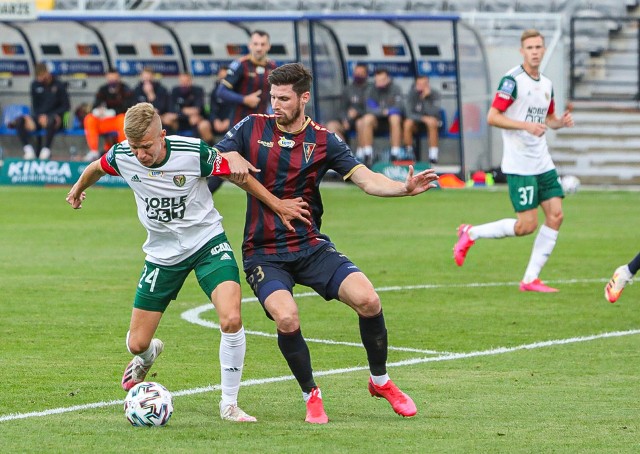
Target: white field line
193,315
407,362
443,356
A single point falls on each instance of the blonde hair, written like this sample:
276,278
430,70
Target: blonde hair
530,33
138,120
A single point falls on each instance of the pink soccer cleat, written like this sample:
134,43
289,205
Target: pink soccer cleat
136,370
463,244
400,402
315,409
536,285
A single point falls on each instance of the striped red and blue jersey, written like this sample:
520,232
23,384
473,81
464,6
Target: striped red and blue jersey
245,77
291,165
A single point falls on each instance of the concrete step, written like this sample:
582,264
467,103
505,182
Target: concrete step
600,144
600,168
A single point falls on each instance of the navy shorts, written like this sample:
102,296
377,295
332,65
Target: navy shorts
323,270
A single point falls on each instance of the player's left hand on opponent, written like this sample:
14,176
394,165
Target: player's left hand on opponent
420,182
239,167
291,209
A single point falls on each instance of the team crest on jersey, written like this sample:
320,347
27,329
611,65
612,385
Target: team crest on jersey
156,173
308,150
507,86
286,143
179,180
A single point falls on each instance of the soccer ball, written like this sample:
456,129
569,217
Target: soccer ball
148,404
570,184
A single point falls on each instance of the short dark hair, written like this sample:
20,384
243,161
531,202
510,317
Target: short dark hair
381,71
41,68
294,74
261,33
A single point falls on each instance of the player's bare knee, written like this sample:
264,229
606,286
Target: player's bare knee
231,323
554,220
368,304
525,228
137,346
287,323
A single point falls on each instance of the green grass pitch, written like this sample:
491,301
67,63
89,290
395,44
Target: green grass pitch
491,369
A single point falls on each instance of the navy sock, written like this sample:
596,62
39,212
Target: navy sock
634,265
373,333
296,352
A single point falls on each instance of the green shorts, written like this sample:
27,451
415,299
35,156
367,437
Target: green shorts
528,191
214,263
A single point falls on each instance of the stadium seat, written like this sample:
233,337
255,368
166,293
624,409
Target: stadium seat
318,5
395,5
355,5
427,6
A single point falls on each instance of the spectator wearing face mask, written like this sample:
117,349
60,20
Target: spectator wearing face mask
353,103
107,115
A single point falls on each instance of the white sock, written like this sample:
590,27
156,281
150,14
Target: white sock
498,229
433,153
360,153
368,150
232,350
148,356
542,248
380,380
409,151
396,151
307,396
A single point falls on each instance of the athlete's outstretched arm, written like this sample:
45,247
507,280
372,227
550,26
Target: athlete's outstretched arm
287,209
89,177
374,183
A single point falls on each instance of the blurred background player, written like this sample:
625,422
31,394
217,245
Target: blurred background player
524,108
186,110
246,86
49,102
622,276
384,107
151,90
220,116
422,113
107,115
353,105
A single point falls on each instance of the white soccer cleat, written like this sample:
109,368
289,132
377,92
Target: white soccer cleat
137,370
234,413
29,152
615,286
45,153
91,156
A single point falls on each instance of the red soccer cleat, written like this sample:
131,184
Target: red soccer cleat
315,409
400,402
536,285
463,244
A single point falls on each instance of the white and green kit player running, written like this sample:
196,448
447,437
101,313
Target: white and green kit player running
184,232
524,108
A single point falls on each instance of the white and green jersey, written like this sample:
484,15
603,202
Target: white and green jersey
522,98
174,203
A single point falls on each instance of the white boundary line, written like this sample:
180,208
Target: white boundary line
444,356
407,362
